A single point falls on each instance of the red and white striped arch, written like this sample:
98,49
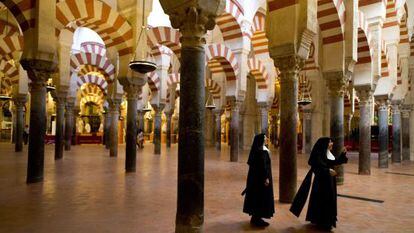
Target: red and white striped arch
8,28
331,19
23,12
92,89
93,79
384,65
154,82
166,36
173,78
100,17
101,62
364,51
275,102
391,16
259,40
258,70
10,44
214,88
399,77
93,47
310,63
10,72
230,21
177,94
404,31
227,59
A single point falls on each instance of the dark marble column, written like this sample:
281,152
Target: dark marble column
289,67
365,101
39,72
76,111
14,125
242,111
69,122
264,117
405,131
169,118
132,92
60,100
141,120
217,118
336,84
108,121
275,129
396,132
19,102
234,130
383,133
114,111
157,128
307,131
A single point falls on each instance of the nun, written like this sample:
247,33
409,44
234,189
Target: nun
322,208
259,200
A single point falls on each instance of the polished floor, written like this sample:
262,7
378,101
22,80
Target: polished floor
88,191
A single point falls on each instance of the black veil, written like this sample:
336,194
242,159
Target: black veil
257,145
318,154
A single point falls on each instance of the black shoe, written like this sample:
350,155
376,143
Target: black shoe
258,222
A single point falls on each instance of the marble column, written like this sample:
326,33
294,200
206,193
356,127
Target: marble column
157,128
289,67
348,125
234,130
38,71
396,132
169,118
383,133
107,130
114,111
141,120
365,103
275,130
69,122
193,24
14,125
264,113
209,131
60,100
242,115
405,131
76,111
217,118
307,131
336,84
19,102
132,92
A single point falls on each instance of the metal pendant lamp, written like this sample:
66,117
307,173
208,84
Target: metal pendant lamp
210,102
147,108
142,61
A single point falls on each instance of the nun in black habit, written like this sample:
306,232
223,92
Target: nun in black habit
259,199
322,209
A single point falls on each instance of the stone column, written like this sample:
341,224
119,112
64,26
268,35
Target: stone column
107,130
396,132
264,113
169,118
60,100
234,130
114,111
19,102
242,115
337,83
193,24
217,117
76,111
132,92
209,131
307,131
157,128
141,120
405,123
348,122
69,122
289,67
14,125
365,101
275,129
383,133
38,71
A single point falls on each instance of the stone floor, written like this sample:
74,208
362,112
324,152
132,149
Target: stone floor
88,191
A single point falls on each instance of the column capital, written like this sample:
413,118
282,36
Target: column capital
158,108
337,82
193,18
132,91
114,104
364,94
38,71
218,111
60,97
235,104
20,100
406,110
395,107
292,63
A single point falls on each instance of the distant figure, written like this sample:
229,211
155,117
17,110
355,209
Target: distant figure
322,209
140,139
26,134
88,128
259,199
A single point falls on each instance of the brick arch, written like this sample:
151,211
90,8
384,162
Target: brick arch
331,19
100,17
8,28
166,36
310,63
93,79
364,52
230,21
23,12
404,31
260,43
11,73
9,45
91,98
154,82
275,102
92,89
177,94
173,78
226,58
384,64
101,62
258,70
214,88
93,47
391,16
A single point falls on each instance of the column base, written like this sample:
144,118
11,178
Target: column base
188,229
34,180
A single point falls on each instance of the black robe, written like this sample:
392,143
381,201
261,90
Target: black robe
259,199
322,208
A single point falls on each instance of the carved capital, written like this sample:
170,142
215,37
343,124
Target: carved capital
289,64
406,110
364,95
38,71
396,107
114,104
337,82
132,91
20,100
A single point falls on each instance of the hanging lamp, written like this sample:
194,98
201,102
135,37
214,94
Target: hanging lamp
147,108
210,102
142,63
303,98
